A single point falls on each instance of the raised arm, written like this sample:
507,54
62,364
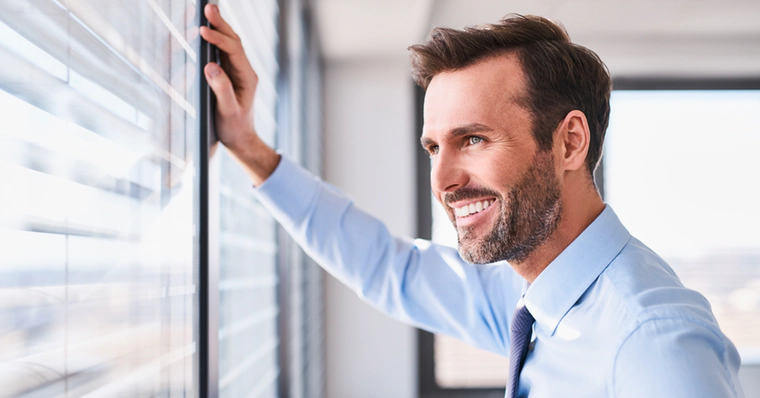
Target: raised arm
417,282
235,85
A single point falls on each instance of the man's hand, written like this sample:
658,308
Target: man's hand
235,85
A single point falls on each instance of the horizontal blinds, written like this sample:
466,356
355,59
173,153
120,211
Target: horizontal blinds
98,224
248,250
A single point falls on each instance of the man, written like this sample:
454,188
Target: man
515,117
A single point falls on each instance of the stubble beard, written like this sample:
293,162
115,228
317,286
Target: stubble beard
527,218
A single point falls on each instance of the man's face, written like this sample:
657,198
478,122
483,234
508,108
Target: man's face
501,193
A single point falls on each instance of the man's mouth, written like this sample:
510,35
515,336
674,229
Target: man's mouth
472,208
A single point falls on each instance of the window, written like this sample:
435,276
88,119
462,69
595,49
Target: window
247,242
269,335
99,220
131,263
681,171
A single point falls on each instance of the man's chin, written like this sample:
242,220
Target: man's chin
473,253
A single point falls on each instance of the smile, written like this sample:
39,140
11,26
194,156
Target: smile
472,208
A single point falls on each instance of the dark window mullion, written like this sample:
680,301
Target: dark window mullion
209,228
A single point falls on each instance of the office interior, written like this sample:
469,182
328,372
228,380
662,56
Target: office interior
136,261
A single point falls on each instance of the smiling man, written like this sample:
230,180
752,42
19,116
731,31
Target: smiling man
515,116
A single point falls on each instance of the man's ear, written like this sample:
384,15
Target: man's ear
573,137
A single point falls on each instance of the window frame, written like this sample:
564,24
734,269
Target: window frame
208,366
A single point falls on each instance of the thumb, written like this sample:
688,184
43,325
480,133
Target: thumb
221,85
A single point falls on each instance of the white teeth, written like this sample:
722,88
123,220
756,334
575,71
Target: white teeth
476,207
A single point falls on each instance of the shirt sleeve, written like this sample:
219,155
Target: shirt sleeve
426,285
676,358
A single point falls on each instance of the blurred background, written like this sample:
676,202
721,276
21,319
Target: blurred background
132,264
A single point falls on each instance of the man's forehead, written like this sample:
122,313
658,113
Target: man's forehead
481,94
494,80
501,73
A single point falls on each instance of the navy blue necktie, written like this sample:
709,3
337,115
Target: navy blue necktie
522,326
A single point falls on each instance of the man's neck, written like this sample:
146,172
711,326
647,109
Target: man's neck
579,210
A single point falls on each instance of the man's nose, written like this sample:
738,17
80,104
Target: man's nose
446,173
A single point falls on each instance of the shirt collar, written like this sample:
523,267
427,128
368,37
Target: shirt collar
563,282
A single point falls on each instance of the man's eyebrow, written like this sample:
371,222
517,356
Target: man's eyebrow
468,129
457,132
426,142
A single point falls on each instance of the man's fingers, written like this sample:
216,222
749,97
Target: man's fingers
222,86
225,43
213,16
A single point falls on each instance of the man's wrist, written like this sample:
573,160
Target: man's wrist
257,158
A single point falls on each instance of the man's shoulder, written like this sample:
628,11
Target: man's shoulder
649,289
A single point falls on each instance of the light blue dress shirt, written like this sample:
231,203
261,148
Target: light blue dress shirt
612,318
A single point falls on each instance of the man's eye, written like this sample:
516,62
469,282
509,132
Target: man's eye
432,150
475,140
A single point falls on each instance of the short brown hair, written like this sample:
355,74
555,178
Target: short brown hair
561,76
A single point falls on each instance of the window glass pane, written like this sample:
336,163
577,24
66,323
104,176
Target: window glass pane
98,225
681,170
248,250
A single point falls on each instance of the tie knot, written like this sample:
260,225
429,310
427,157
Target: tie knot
522,322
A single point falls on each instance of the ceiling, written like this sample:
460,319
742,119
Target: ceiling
644,38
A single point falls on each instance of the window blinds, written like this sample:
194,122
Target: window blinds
249,337
99,222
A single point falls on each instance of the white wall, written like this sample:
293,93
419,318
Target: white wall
369,144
